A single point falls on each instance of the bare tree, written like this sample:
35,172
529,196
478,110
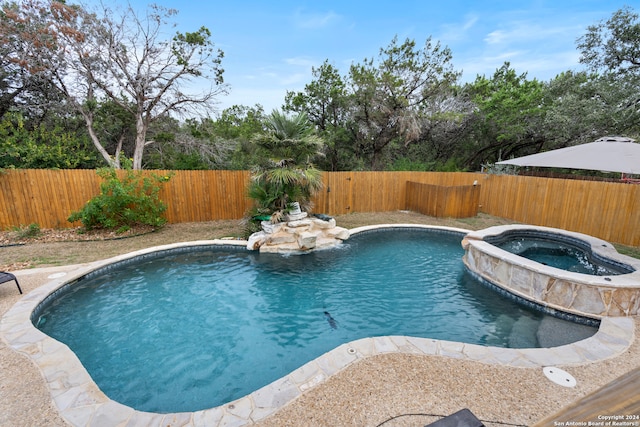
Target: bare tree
26,45
125,58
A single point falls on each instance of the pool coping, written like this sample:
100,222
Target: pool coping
80,402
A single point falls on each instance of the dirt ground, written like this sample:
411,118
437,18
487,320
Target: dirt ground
62,247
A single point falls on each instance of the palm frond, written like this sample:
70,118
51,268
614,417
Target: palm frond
286,173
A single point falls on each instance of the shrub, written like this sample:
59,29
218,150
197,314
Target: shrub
32,230
124,202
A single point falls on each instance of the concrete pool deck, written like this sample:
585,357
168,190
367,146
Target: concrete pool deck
390,381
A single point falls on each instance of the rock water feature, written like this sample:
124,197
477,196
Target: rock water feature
299,233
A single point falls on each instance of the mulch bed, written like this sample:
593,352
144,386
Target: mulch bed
78,234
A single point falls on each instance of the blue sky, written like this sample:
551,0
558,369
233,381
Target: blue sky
271,46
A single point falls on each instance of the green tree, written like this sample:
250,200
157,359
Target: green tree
115,127
239,122
511,111
388,94
611,50
42,146
325,101
237,127
445,119
585,106
286,173
613,45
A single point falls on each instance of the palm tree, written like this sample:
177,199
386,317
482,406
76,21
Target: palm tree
285,175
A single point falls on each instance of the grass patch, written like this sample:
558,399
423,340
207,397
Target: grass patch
631,251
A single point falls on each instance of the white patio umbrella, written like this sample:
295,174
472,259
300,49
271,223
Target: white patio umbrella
608,154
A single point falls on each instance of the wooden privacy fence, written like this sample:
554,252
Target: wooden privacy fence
610,211
460,201
47,197
346,192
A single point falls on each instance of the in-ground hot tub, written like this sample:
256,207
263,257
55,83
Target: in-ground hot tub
520,259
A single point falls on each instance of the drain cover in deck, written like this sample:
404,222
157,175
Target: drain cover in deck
559,376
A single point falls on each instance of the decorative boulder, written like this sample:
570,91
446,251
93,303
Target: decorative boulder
307,240
256,240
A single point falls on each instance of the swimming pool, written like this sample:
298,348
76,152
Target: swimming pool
227,312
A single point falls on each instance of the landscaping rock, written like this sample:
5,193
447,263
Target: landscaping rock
298,236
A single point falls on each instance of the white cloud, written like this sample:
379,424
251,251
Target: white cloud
545,67
542,66
458,31
495,37
540,47
521,31
504,56
470,22
274,55
315,20
295,79
300,61
268,84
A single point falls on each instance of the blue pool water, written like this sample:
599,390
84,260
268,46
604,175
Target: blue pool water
194,330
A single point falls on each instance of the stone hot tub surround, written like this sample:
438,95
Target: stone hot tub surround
556,289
